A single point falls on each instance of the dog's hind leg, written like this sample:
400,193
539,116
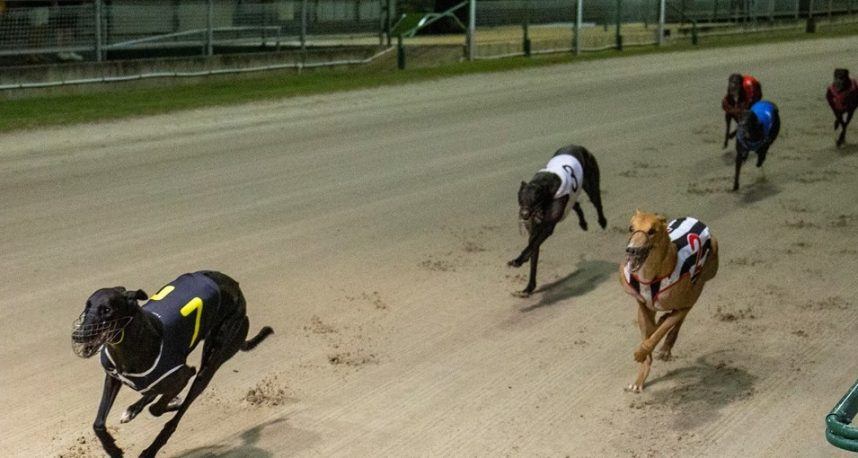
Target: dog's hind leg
134,409
111,389
581,221
591,187
222,344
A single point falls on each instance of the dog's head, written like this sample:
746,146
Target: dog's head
105,316
645,230
532,200
734,85
841,79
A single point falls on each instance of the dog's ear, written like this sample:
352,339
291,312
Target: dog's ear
523,185
138,295
661,219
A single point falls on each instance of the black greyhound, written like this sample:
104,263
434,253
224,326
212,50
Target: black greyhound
842,96
757,130
543,202
146,347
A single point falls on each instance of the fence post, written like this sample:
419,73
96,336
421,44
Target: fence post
771,12
811,22
98,39
389,19
472,29
526,42
661,14
579,8
303,26
619,36
210,27
400,53
797,9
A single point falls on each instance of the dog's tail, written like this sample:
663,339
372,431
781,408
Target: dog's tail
253,342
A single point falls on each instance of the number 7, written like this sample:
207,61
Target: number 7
194,304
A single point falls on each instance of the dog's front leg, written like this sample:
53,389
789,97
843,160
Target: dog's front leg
646,324
727,136
540,233
108,395
844,124
741,155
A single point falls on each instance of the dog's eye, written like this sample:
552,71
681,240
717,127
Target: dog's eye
631,229
105,310
651,231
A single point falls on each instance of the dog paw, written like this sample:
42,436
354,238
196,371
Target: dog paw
174,404
603,222
522,294
664,355
583,225
641,354
634,388
515,263
127,416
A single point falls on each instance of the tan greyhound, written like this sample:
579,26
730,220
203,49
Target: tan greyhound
665,268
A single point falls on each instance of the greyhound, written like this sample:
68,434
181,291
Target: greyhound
545,201
756,132
147,347
842,96
742,92
666,266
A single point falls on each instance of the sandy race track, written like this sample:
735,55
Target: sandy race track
371,229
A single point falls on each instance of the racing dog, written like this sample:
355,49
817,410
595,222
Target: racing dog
545,201
842,96
665,269
147,347
742,92
757,130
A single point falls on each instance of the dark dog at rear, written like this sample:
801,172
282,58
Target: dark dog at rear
545,200
146,347
842,96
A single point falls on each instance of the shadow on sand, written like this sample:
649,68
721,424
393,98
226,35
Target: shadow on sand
702,389
584,279
248,448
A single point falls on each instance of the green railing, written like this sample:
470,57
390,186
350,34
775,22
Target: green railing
838,423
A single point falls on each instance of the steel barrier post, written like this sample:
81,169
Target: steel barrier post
472,29
98,39
619,36
400,53
303,26
210,27
526,41
661,14
579,7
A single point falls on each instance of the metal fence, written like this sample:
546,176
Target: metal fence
544,26
92,29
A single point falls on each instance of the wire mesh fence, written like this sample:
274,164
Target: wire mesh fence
67,30
76,30
542,26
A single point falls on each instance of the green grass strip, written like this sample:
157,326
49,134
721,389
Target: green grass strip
40,111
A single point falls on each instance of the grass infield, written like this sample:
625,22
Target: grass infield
40,111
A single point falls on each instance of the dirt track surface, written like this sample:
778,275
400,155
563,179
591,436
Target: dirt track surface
371,230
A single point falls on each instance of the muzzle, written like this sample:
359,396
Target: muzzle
87,339
635,257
